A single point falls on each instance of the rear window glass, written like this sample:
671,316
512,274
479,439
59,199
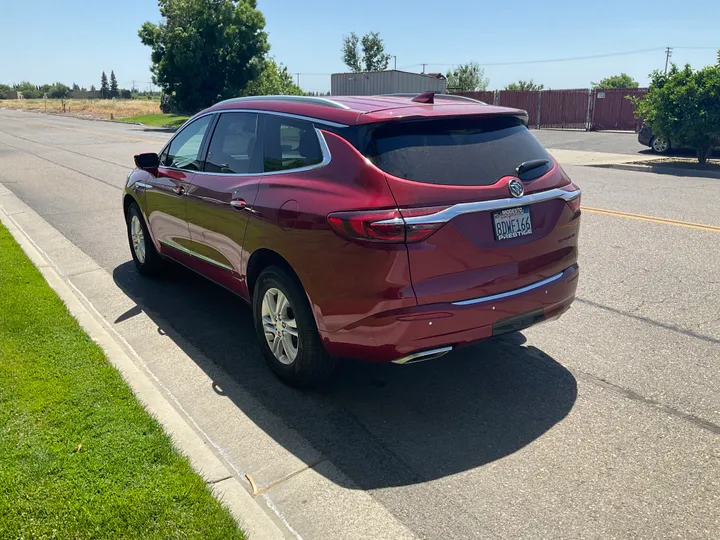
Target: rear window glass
454,152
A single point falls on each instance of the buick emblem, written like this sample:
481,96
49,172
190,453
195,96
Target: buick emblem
516,188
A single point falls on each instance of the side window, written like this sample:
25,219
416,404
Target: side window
290,144
233,147
184,150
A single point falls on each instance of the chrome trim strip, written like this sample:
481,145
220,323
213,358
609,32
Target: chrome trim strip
327,157
508,294
143,185
483,206
195,254
273,113
420,356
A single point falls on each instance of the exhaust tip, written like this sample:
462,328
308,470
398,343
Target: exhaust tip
422,356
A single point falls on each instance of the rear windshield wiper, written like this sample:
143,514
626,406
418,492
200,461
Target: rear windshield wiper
538,166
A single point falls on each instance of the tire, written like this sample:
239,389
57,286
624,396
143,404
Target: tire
147,260
299,358
660,145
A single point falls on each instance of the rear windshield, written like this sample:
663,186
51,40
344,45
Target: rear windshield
454,152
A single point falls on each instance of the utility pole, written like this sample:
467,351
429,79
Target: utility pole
395,58
298,79
424,67
668,55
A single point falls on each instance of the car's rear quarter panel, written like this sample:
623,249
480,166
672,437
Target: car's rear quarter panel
346,281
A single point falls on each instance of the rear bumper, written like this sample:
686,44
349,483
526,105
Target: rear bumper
645,136
403,335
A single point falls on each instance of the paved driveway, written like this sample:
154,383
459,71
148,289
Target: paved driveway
605,424
610,142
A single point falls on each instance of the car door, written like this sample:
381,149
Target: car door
165,199
221,197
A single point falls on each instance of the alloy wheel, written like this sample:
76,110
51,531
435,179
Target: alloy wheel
280,326
138,238
660,145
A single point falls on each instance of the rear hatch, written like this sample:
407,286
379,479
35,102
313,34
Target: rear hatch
452,180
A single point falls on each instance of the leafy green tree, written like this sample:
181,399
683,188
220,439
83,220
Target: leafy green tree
104,88
525,85
684,107
29,90
274,80
374,57
351,52
75,87
205,50
92,88
5,91
468,77
113,85
617,81
58,91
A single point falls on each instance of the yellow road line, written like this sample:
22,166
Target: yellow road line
99,133
652,219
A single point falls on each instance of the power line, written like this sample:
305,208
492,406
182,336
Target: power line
550,60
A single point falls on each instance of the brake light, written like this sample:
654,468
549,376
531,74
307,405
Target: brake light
388,226
575,204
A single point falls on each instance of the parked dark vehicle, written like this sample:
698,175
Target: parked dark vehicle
658,144
381,228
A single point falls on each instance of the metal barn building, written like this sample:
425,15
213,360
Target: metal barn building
369,83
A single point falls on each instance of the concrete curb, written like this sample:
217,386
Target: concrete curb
255,522
657,169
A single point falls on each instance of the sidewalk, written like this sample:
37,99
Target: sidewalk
581,157
275,483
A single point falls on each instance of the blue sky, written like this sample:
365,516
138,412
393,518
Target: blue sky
75,40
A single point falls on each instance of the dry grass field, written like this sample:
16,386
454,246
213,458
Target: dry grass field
94,108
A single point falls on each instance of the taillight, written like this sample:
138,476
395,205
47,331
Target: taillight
389,226
575,204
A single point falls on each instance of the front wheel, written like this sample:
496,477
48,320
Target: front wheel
286,329
660,145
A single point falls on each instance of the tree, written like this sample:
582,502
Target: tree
113,85
5,91
684,107
104,88
525,85
75,87
274,80
468,77
205,50
617,81
29,90
92,88
351,53
57,91
374,57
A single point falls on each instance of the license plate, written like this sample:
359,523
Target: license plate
512,222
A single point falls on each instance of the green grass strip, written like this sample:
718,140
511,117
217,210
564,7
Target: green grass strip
157,120
79,456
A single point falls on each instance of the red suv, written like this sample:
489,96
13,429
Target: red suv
381,228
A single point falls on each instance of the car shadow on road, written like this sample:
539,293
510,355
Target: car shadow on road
381,425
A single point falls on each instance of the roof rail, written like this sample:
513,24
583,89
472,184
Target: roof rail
455,97
310,100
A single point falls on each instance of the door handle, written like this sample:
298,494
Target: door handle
238,204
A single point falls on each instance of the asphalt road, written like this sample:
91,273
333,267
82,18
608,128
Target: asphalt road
605,424
609,142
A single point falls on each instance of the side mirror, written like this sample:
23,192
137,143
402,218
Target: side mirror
147,161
